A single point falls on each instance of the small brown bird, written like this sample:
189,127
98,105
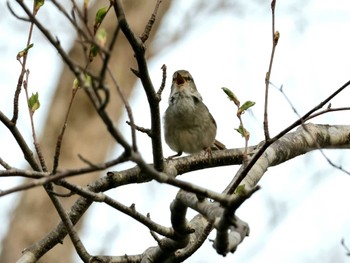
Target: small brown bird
188,125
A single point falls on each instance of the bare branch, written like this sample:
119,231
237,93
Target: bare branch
128,110
108,55
84,255
21,75
130,211
139,50
162,86
141,129
81,33
150,23
14,13
60,136
23,173
28,154
31,117
60,175
275,37
321,112
5,164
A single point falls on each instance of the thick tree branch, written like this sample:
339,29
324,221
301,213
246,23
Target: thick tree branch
304,139
243,172
172,168
288,147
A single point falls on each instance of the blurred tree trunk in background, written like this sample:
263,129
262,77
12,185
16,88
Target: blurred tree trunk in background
35,215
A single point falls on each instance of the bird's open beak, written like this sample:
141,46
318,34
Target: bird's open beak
179,79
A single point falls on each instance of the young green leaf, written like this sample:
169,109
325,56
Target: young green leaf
75,84
38,4
93,51
24,51
246,105
88,80
231,96
86,83
101,37
33,102
240,130
100,14
243,132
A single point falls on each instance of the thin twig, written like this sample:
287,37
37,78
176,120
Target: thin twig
327,110
128,109
141,129
275,37
27,152
130,211
150,23
79,247
14,13
345,247
62,195
60,175
80,32
21,75
108,55
31,117
162,85
87,161
330,162
23,173
82,15
55,43
115,133
60,137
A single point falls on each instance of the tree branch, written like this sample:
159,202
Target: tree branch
243,172
275,37
28,154
288,147
139,49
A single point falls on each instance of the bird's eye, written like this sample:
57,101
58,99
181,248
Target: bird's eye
188,78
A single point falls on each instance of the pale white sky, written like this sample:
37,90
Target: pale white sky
300,214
